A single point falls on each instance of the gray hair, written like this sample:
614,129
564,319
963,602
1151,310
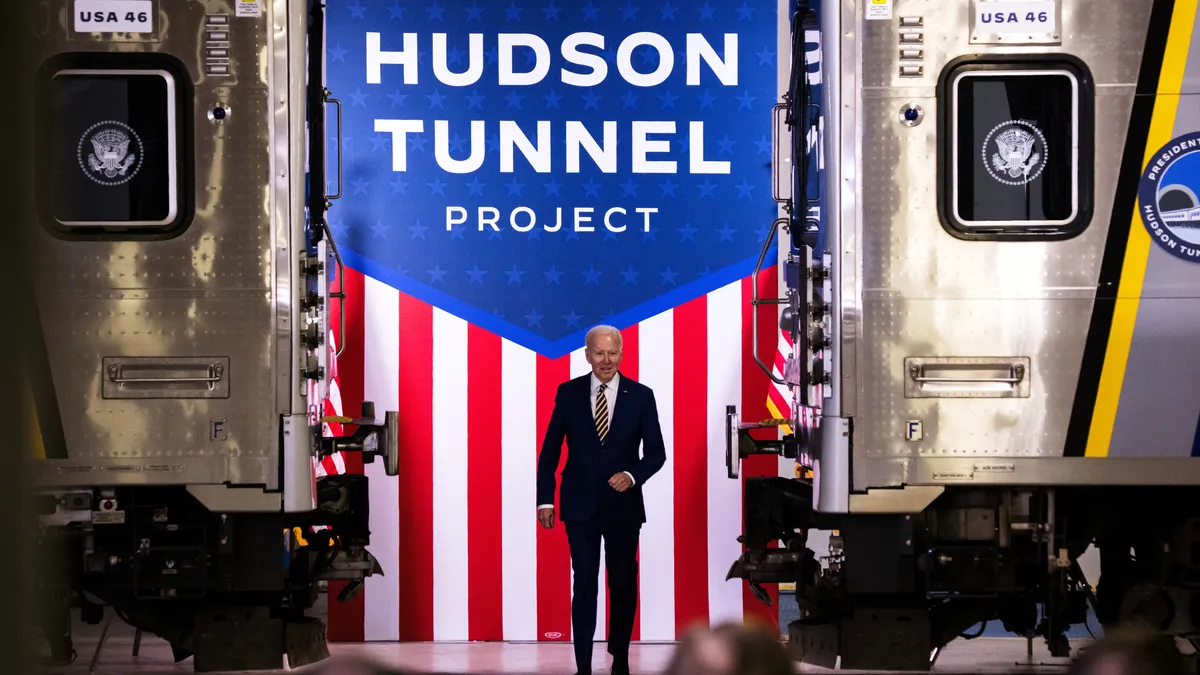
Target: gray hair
596,331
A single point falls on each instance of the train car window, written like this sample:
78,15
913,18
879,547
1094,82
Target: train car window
1016,148
113,150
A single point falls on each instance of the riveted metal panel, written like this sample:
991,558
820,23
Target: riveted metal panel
222,289
926,293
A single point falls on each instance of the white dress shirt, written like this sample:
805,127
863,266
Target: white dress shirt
610,395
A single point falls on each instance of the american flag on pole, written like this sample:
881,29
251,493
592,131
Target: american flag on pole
328,407
331,406
779,397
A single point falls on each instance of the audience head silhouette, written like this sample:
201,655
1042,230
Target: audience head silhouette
731,649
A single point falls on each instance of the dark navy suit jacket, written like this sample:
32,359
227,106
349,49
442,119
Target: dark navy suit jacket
590,464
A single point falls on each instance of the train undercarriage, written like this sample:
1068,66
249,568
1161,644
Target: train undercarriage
892,320
230,589
895,589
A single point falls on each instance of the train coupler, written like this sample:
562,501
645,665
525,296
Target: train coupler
373,438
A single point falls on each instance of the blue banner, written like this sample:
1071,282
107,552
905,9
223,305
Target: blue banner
539,167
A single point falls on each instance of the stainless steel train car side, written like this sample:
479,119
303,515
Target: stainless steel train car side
999,355
183,299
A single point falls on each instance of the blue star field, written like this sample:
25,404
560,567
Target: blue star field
539,288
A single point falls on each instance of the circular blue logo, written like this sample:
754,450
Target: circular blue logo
1169,197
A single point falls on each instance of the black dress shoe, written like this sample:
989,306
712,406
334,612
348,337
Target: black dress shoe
620,668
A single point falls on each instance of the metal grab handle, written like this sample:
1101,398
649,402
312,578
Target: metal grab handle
330,99
1018,374
755,302
340,296
216,372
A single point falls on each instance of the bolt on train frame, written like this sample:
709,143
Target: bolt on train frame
995,320
184,307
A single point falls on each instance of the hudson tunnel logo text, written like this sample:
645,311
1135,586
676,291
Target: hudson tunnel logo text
1167,197
536,169
649,141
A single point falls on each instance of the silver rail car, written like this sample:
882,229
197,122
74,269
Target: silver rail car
997,323
183,298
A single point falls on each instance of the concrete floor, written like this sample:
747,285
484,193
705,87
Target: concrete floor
984,655
994,653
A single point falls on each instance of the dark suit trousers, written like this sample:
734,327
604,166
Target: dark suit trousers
620,557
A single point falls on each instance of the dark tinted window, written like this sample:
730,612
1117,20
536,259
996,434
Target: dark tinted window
1016,149
112,147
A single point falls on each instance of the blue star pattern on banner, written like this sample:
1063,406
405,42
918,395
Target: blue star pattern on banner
540,203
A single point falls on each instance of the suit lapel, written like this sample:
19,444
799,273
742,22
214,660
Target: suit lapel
589,412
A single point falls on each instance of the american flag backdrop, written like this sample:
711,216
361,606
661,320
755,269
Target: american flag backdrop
456,532
468,331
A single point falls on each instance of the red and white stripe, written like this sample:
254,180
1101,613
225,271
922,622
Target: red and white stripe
456,531
330,407
779,396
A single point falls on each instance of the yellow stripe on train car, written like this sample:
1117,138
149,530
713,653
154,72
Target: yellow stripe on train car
1137,250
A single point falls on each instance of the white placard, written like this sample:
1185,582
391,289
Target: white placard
114,16
879,9
249,8
1015,16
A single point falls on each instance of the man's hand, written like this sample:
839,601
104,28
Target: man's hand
620,482
546,518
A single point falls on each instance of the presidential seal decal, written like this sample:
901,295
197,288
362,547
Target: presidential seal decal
1014,152
1167,197
110,153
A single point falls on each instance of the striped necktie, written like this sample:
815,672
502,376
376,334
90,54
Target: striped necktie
601,413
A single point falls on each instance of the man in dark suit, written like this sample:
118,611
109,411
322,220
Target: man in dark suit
603,417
